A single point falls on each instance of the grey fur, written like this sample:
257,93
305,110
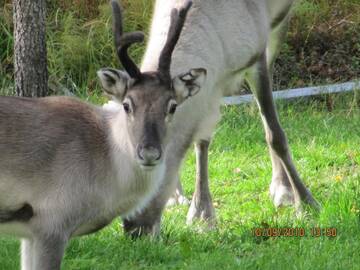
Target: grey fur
67,168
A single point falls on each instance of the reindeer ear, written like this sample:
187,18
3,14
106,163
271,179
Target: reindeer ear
188,84
114,82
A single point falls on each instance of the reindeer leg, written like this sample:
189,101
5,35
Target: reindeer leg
148,221
201,205
48,251
280,187
26,254
258,78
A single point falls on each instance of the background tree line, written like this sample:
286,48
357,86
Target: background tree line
322,45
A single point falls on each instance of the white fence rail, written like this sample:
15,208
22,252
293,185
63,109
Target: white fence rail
298,92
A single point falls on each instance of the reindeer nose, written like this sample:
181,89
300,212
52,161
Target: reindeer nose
148,154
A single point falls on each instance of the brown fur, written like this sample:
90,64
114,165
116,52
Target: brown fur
53,125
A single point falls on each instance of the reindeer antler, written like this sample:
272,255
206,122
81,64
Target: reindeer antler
177,22
124,41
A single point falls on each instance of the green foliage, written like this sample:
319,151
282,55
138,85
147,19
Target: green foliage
6,51
79,41
322,45
78,47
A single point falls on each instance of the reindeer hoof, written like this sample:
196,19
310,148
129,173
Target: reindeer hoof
204,212
137,228
281,195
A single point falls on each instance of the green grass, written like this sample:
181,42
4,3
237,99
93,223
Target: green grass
326,148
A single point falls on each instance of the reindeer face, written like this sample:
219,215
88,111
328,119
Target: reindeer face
149,100
150,105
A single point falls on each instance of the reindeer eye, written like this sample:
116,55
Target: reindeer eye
172,107
126,107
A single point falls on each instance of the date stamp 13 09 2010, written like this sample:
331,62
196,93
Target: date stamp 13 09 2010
294,232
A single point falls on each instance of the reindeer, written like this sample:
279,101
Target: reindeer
236,42
68,168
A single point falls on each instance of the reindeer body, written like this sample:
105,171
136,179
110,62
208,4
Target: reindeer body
66,169
53,175
235,41
224,37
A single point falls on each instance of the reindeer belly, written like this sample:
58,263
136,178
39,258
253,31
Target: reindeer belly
92,227
18,229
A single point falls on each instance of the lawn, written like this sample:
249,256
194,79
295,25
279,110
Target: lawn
326,149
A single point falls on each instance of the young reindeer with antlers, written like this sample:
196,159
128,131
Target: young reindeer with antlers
68,168
236,42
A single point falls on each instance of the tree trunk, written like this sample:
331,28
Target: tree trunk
31,75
